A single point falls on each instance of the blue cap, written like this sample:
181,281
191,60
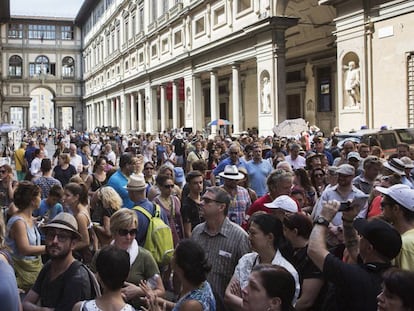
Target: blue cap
179,174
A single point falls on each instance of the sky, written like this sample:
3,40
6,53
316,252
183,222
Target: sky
48,8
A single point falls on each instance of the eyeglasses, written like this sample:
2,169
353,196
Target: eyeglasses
125,232
62,237
208,201
168,186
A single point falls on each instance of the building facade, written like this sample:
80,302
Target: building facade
41,72
154,65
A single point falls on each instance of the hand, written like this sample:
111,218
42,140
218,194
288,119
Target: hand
152,304
351,212
146,289
329,209
129,291
235,288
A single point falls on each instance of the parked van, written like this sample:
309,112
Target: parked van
386,139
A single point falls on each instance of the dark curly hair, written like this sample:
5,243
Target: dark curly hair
191,258
24,194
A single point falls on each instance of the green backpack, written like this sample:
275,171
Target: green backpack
159,239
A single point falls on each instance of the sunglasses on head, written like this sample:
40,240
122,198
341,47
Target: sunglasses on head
125,232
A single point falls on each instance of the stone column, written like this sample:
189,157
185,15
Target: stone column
163,108
175,104
123,112
112,112
107,104
140,112
236,97
133,113
214,97
118,111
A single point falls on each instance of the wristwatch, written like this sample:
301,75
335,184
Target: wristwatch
320,220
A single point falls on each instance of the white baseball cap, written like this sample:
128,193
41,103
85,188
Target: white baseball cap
284,202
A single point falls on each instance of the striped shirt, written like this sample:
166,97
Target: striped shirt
223,251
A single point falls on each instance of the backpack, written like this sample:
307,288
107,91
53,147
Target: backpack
159,241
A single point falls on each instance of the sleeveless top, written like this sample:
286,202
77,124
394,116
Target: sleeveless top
90,305
33,236
96,184
204,295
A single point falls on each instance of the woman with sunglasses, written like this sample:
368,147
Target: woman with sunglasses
317,177
155,189
143,268
171,205
149,174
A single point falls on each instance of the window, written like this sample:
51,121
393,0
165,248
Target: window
133,25
68,67
154,11
154,51
15,66
118,38
42,32
178,38
141,19
200,26
126,29
243,5
164,45
141,58
41,66
164,6
15,31
66,33
126,65
219,16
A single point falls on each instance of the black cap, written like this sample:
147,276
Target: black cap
385,239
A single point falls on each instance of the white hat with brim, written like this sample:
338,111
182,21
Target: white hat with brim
231,172
285,203
136,183
396,166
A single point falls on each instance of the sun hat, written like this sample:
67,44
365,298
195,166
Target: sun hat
385,239
402,194
64,221
395,165
284,202
231,172
345,169
136,183
408,163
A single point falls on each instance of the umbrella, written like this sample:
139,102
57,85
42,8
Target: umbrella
292,127
219,122
6,128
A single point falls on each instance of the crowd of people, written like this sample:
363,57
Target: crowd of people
249,223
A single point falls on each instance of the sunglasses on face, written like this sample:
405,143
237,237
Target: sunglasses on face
125,232
62,237
207,200
168,186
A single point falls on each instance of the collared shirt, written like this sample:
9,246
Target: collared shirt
299,162
363,184
258,172
223,251
227,161
239,204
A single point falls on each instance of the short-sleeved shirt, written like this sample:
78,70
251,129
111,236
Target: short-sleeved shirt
64,175
190,212
45,183
258,172
63,292
239,204
223,251
118,181
405,259
258,205
356,285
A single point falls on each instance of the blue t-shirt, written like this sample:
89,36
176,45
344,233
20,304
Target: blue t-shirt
51,211
118,181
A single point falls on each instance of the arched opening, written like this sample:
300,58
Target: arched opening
68,67
42,110
15,66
